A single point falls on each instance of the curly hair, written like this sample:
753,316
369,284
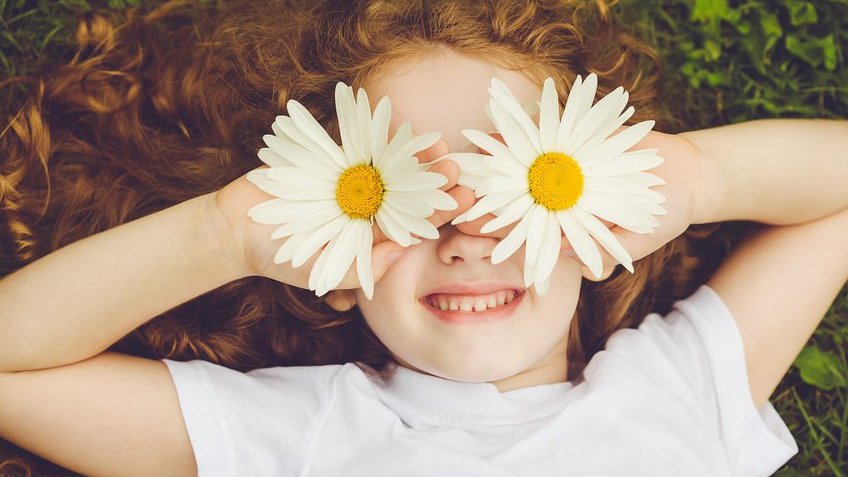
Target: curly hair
160,105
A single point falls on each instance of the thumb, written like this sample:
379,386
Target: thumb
383,256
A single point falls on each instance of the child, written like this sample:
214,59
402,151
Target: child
392,389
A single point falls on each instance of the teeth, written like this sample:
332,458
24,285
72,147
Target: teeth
472,303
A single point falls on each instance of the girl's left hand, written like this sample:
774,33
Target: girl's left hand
681,172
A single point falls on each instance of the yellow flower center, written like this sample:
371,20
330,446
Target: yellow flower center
359,191
556,181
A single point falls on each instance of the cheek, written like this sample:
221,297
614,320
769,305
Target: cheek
395,292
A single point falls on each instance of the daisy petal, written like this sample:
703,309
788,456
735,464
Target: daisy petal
391,228
278,211
644,178
549,253
496,148
268,156
578,103
309,126
604,111
295,177
298,156
307,222
257,175
511,242
502,96
346,119
582,244
380,130
407,204
403,135
436,198
542,287
318,269
501,183
625,164
363,118
609,210
416,225
285,252
340,256
413,147
549,116
536,232
492,202
603,235
625,139
363,260
612,126
420,181
471,163
513,134
318,239
512,213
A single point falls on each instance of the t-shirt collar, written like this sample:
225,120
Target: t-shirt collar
423,400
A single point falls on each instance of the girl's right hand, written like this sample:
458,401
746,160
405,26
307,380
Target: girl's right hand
254,246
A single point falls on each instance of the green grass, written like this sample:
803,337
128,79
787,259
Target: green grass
725,62
728,62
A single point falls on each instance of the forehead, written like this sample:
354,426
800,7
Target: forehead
445,91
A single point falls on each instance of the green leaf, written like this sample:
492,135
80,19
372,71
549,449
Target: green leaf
709,11
801,13
820,368
713,50
771,28
814,51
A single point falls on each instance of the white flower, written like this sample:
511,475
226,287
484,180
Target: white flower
327,193
561,175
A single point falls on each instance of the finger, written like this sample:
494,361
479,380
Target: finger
449,169
638,246
437,150
380,263
464,198
473,227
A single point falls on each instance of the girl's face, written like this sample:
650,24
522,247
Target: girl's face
446,92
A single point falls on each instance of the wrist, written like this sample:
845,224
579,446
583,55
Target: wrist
227,250
712,186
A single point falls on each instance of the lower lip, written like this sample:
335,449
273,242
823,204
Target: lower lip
493,314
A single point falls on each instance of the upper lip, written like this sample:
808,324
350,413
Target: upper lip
472,288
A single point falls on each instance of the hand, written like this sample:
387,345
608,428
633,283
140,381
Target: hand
252,241
681,172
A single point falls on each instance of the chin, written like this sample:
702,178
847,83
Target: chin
472,372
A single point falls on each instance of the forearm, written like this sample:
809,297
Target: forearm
777,171
77,301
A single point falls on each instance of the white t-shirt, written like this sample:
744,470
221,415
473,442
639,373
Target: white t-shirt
670,398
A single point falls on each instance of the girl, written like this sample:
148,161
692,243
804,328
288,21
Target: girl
146,144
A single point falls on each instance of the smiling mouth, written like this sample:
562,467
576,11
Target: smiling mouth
472,303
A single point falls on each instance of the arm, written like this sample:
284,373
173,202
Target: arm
775,171
112,414
779,283
109,414
80,299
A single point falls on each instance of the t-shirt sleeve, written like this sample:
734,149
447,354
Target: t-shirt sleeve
256,423
700,339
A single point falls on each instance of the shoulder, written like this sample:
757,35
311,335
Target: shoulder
286,378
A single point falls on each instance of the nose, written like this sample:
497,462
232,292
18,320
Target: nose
455,246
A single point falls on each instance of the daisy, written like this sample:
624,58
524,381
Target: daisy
326,193
561,175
